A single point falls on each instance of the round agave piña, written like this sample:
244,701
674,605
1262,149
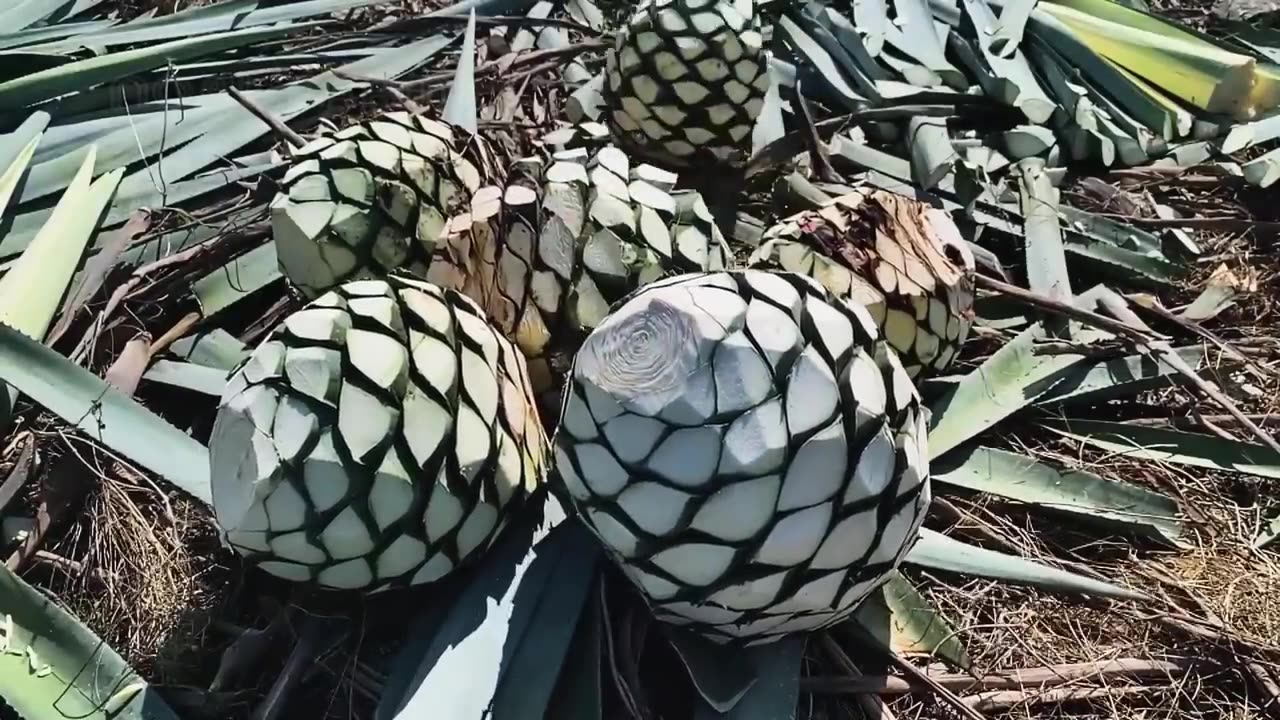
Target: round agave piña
902,260
579,233
372,198
686,80
747,451
379,437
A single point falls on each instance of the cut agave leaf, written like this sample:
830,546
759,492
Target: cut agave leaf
938,552
722,675
16,151
1013,377
1089,496
1046,259
774,694
537,660
237,280
1118,377
1174,446
52,666
216,349
103,413
458,669
460,106
201,379
902,620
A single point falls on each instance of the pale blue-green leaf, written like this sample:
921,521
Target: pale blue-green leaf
1174,446
84,74
215,348
237,280
1007,381
721,674
235,126
14,143
455,671
1090,497
579,694
938,552
206,20
31,36
1046,259
200,378
532,668
103,413
902,620
460,106
26,13
1118,377
53,667
776,691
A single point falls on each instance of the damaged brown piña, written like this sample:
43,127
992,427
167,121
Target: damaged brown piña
902,260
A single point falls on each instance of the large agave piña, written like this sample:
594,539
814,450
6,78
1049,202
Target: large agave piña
378,196
379,437
902,260
686,80
579,233
746,450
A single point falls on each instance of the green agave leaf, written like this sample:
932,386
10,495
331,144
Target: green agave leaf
1013,377
722,675
579,694
1089,496
1118,377
237,280
26,13
460,106
1175,446
190,376
1046,258
459,669
16,150
902,620
84,74
938,552
103,413
216,348
52,667
774,695
531,674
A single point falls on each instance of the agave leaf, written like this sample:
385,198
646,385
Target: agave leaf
1118,377
103,413
531,673
1046,258
1010,379
902,620
1175,446
456,670
579,694
849,64
1007,79
721,674
52,666
16,150
774,695
214,131
201,20
932,154
201,379
769,126
460,107
237,280
51,83
216,348
29,12
33,287
938,552
827,72
1080,493
1268,534
916,36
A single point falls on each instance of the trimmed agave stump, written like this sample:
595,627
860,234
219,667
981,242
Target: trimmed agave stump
746,449
902,260
380,437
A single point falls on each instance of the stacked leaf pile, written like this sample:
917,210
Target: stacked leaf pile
702,358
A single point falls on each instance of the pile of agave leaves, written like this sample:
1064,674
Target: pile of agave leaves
1101,427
